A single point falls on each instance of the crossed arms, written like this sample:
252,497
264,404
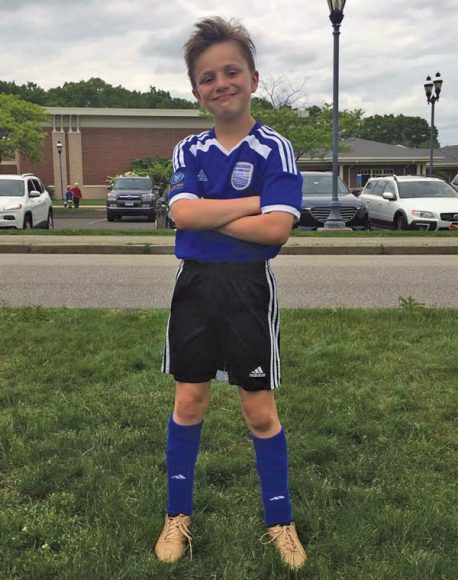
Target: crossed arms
238,218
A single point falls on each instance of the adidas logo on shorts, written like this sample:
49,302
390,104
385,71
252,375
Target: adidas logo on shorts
179,476
257,373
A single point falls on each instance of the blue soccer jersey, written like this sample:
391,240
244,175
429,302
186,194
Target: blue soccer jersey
261,164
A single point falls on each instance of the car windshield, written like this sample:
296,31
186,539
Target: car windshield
425,189
132,183
321,185
13,187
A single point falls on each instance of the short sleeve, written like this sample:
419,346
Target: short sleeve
282,185
183,183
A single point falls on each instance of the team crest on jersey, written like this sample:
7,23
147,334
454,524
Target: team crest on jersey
242,175
177,180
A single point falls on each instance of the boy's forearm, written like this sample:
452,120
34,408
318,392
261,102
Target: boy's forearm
209,214
269,228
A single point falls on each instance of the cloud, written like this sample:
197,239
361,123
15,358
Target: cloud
386,49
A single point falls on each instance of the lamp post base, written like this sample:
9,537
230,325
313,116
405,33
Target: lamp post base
334,228
334,221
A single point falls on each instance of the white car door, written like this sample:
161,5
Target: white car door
37,204
376,208
388,207
369,198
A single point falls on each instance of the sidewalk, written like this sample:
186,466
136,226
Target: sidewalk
55,244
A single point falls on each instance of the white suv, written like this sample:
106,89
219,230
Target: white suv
24,202
411,202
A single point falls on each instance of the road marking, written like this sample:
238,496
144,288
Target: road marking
95,221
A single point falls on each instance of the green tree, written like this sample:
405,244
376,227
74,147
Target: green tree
29,92
398,130
21,127
310,133
157,168
95,93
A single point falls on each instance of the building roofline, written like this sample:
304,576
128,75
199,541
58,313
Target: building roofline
118,112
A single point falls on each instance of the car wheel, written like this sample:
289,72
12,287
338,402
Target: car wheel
110,218
27,225
367,223
49,223
400,222
151,218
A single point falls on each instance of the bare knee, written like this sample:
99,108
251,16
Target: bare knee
191,402
260,421
260,414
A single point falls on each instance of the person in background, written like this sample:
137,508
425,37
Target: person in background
68,197
77,195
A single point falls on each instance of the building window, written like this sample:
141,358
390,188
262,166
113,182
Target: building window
377,171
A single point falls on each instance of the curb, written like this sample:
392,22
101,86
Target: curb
368,250
138,249
150,249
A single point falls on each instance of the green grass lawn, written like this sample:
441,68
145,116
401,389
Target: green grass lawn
368,403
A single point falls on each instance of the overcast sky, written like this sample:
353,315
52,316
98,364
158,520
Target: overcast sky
387,48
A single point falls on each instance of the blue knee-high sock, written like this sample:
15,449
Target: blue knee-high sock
182,449
272,464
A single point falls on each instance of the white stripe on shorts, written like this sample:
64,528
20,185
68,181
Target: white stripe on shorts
166,355
274,329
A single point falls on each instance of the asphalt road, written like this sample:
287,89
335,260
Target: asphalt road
116,281
76,219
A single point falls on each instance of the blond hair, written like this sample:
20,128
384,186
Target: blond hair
212,31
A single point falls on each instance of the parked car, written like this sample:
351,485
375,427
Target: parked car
24,202
164,218
454,182
316,201
411,202
132,196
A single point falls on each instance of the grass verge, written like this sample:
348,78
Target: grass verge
368,403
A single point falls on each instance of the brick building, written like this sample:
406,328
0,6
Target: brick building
98,143
101,142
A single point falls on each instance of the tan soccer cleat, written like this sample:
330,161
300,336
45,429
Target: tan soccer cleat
287,543
174,539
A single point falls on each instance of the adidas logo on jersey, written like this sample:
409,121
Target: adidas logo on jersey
201,176
179,476
257,373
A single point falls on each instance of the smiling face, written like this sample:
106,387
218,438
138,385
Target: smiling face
224,82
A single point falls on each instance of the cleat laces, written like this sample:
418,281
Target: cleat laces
176,529
284,538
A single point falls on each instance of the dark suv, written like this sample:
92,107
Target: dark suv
316,200
132,195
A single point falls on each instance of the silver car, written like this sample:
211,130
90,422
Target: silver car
411,202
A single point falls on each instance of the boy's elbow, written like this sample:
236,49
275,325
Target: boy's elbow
281,238
280,231
179,218
179,223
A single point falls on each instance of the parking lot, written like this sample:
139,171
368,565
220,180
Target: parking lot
96,219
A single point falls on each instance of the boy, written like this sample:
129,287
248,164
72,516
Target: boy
68,197
234,196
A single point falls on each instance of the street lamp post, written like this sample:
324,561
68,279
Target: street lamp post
336,15
429,84
59,151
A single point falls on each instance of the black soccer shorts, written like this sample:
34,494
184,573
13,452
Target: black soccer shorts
224,323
